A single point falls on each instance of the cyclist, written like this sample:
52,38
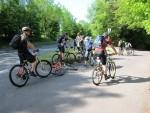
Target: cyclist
61,44
79,41
128,46
23,49
88,43
100,50
121,46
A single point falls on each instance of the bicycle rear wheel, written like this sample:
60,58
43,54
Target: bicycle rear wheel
111,66
43,68
97,75
18,75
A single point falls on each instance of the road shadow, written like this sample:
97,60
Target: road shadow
122,79
118,58
53,94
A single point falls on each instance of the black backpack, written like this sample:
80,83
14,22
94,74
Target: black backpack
14,43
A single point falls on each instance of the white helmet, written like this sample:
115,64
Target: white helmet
26,28
87,38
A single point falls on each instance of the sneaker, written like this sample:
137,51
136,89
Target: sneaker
33,74
106,76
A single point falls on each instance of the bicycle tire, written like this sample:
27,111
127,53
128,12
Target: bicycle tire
44,70
111,66
55,58
79,57
24,79
70,58
91,60
97,74
59,70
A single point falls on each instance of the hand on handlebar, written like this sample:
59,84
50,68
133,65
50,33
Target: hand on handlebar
35,50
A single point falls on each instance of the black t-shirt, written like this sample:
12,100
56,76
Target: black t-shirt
62,40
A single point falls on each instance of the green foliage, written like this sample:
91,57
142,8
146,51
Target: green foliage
128,19
46,19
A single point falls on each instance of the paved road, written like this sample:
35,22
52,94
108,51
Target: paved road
75,93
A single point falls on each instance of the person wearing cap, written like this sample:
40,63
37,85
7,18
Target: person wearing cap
24,46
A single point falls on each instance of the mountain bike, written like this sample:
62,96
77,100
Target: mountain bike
98,71
69,57
19,73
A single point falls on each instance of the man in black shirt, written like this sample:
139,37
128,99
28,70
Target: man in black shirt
23,51
62,43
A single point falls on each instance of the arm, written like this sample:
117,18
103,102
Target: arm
113,48
30,45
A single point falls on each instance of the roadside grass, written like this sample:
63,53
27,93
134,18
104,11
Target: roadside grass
48,55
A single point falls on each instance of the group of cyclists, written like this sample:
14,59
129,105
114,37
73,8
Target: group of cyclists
87,44
97,47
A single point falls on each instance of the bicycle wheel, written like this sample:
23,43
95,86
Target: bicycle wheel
58,69
18,75
91,60
97,75
70,58
79,57
43,68
111,66
131,51
55,58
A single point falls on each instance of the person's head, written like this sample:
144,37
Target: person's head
26,30
78,34
105,34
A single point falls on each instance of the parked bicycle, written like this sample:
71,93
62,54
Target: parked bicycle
69,57
19,73
98,71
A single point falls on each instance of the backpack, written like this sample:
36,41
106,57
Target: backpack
88,44
99,41
14,43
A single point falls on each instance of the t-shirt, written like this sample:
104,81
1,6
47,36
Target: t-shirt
104,45
62,40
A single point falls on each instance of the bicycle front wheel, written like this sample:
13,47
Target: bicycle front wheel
111,66
18,75
79,57
43,68
58,69
70,58
56,58
97,75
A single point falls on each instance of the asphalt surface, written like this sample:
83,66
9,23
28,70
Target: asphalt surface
74,92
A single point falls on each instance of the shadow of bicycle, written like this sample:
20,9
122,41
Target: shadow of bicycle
128,79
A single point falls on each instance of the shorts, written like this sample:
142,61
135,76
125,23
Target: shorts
26,56
61,48
102,56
